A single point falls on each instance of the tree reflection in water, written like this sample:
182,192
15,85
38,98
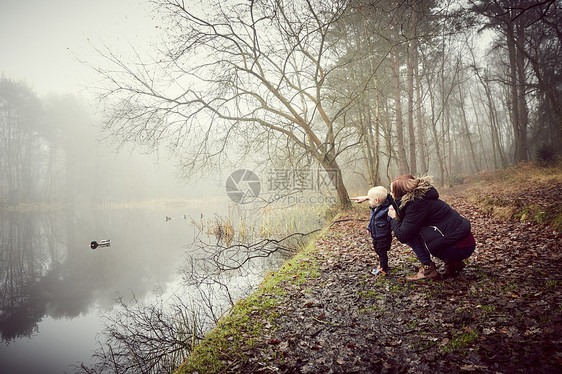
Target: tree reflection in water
157,337
49,270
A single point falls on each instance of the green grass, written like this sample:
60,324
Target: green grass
461,340
488,308
552,284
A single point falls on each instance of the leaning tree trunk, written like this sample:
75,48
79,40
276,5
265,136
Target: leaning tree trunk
334,172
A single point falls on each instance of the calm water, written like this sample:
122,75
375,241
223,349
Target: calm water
55,289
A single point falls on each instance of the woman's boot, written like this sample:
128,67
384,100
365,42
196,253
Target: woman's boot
425,272
453,267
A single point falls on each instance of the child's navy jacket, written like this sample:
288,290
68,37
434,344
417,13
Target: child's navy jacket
379,223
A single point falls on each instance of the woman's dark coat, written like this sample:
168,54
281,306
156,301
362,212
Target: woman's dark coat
423,213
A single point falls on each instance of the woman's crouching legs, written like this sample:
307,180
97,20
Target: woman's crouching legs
454,259
428,269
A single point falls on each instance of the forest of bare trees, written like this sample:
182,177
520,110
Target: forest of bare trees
40,146
364,89
372,88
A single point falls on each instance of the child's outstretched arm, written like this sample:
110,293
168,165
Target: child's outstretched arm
359,199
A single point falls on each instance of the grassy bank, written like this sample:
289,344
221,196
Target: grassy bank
521,192
237,332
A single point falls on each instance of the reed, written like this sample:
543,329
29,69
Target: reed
247,226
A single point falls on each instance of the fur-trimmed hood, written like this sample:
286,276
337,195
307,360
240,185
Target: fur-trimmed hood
424,190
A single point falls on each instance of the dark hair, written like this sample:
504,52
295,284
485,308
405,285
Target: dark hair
403,184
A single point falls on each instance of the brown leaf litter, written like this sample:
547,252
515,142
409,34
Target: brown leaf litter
502,314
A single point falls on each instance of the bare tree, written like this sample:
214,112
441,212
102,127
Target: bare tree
529,30
248,74
20,142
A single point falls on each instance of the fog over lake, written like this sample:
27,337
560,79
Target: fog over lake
57,292
57,287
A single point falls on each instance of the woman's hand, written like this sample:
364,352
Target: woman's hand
391,212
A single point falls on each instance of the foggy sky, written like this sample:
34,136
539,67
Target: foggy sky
42,39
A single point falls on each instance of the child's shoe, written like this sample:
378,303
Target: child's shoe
378,272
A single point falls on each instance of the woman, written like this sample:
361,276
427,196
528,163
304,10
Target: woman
430,226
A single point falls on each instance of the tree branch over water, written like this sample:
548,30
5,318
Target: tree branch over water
235,256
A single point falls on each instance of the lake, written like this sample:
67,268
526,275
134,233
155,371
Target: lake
57,291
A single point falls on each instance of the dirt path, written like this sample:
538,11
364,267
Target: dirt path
503,314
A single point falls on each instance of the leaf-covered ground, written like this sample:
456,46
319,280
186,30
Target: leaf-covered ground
502,314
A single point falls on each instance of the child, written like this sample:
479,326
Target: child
379,225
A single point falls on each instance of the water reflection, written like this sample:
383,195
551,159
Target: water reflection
48,269
56,288
49,273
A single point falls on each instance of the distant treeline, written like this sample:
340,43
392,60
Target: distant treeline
50,152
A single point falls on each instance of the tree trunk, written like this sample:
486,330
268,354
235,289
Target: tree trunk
497,149
334,172
466,130
376,127
411,132
367,143
402,160
421,138
520,151
412,51
478,119
522,101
